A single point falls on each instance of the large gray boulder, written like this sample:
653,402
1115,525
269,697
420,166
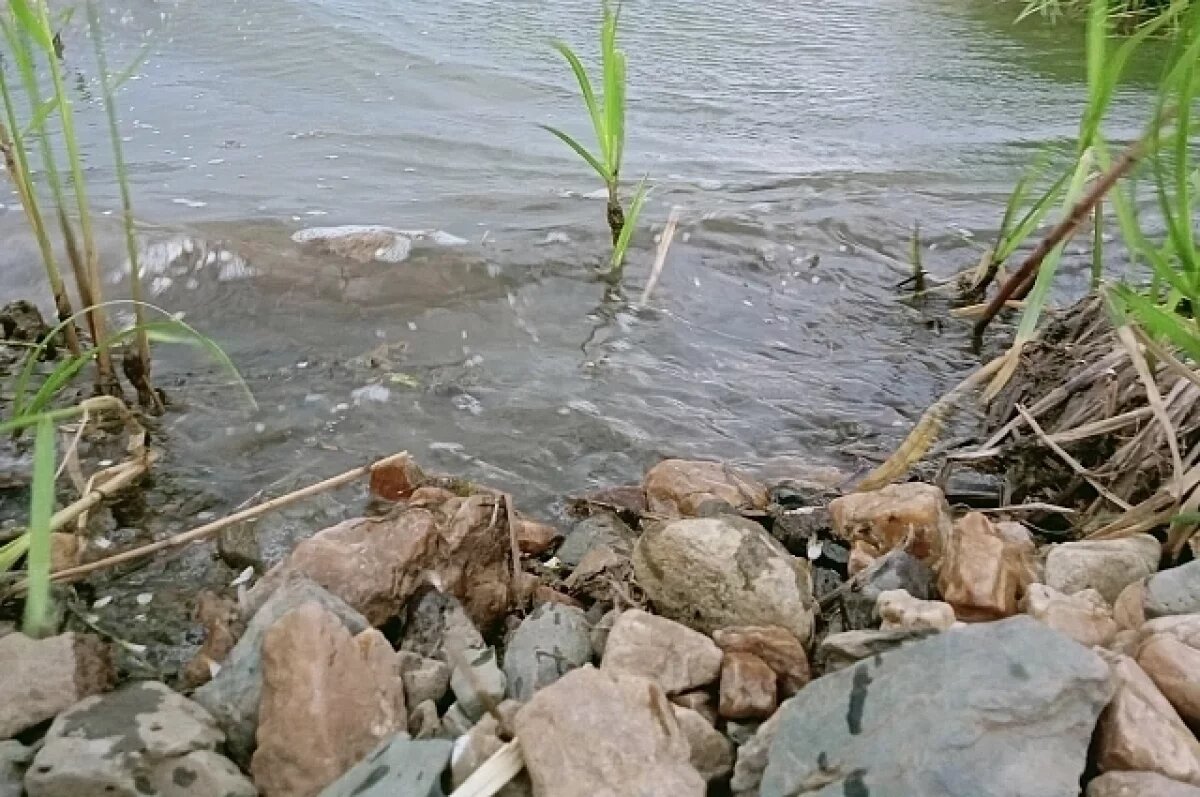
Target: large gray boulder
397,767
550,642
1002,709
1174,591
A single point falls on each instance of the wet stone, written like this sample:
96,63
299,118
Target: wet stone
398,766
239,548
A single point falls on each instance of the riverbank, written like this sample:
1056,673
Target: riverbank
699,632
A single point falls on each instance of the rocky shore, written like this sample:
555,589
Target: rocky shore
699,633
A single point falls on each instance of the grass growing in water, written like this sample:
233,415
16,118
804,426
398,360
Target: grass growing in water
607,114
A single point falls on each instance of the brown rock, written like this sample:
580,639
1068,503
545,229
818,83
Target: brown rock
221,620
1130,609
700,702
601,571
672,655
776,646
65,551
684,488
913,516
712,751
535,538
1141,731
862,555
546,594
430,497
376,565
1126,643
42,677
1139,784
901,611
1022,551
1175,669
328,699
396,481
605,734
747,688
979,576
1084,616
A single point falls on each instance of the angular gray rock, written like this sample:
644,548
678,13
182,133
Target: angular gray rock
436,621
896,569
1139,784
1174,591
994,710
602,528
549,643
14,758
141,740
424,679
838,651
752,758
477,681
398,766
233,696
712,573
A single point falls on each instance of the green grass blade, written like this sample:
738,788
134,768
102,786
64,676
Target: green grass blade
1161,323
41,507
585,88
11,553
1032,218
617,263
591,159
612,63
32,23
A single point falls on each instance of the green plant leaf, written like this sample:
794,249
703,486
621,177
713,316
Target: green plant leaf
33,24
1160,323
592,161
11,552
585,88
617,263
41,507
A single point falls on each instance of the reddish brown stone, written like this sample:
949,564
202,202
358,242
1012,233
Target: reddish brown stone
776,646
913,516
681,488
978,576
747,688
535,538
396,481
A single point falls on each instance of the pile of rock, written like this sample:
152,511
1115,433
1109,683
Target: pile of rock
691,636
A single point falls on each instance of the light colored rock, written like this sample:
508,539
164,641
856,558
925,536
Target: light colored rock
685,488
142,739
900,611
376,565
1084,616
1141,731
1175,669
1139,784
1022,551
605,734
980,576
1125,642
423,721
398,767
551,641
424,679
838,651
1175,590
752,758
1107,566
776,646
455,722
41,677
711,750
474,748
1129,611
234,694
747,687
989,710
1184,627
914,517
534,539
328,699
14,758
719,572
601,630
895,570
674,656
701,702
477,681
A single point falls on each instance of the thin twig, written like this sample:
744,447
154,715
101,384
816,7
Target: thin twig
1156,402
1032,506
495,773
660,256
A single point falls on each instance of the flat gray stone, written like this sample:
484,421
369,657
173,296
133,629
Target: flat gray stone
477,682
602,528
549,643
398,767
234,694
838,651
1174,591
993,710
141,740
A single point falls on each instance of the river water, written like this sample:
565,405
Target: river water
801,141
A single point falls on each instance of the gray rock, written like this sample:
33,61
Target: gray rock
1139,784
992,710
234,694
741,732
424,679
601,630
435,621
838,651
141,740
455,722
423,721
239,548
397,767
477,682
550,642
14,758
896,570
712,752
712,573
752,758
1107,566
602,528
1174,591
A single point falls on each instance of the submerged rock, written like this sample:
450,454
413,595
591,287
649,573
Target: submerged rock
328,698
684,488
718,572
605,734
41,677
550,642
142,739
365,243
1107,566
990,710
672,655
398,767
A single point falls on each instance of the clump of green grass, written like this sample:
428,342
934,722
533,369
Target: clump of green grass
607,114
1126,12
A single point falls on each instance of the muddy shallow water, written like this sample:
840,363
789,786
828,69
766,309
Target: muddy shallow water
801,140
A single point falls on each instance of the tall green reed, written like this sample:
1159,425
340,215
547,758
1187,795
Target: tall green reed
607,114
